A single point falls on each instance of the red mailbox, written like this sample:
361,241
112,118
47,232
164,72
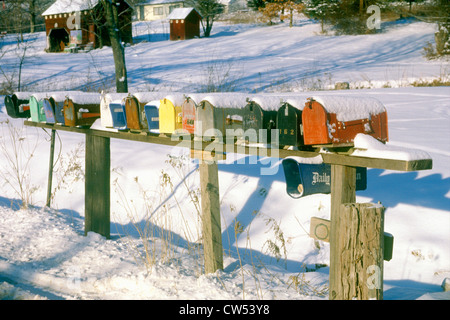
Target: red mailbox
337,120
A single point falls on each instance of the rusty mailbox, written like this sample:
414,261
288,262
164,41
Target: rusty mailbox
135,110
303,178
81,109
336,120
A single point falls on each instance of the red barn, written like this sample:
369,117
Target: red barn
81,24
184,24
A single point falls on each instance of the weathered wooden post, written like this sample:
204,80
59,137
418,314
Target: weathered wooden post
97,185
360,252
210,202
343,190
50,168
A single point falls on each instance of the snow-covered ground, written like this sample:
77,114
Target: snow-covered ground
45,255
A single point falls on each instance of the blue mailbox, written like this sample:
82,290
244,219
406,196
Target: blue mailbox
304,179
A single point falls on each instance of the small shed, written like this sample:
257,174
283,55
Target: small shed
184,24
81,24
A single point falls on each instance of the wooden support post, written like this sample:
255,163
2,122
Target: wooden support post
211,226
50,169
343,190
361,252
97,185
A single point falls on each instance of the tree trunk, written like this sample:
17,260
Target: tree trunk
116,45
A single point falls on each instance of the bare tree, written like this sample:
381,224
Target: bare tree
112,20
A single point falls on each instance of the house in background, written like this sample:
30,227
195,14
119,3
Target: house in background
82,23
156,9
184,24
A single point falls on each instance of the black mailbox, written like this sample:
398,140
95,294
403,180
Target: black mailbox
289,125
18,105
260,114
304,179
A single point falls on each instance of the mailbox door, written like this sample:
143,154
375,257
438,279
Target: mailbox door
59,111
289,121
166,117
188,115
49,110
204,118
294,183
36,110
132,113
253,121
69,113
118,115
315,124
152,116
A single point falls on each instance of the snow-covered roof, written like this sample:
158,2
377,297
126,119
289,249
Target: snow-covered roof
69,6
348,108
180,13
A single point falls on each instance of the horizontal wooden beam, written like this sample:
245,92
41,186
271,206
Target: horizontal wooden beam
187,141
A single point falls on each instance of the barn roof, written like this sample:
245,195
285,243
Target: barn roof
181,13
69,6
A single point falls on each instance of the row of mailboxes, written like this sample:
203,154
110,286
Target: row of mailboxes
304,179
299,121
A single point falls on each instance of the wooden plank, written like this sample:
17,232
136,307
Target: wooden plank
208,156
320,230
330,158
360,253
378,163
97,185
343,190
211,226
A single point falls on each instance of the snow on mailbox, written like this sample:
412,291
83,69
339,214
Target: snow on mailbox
311,176
81,109
18,105
53,105
338,119
111,110
217,113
